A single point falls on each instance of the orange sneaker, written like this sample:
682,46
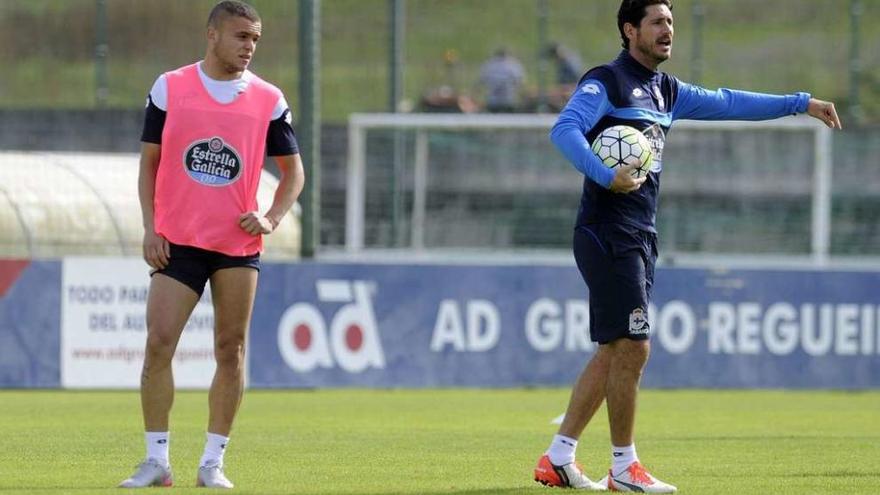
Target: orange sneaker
567,476
635,478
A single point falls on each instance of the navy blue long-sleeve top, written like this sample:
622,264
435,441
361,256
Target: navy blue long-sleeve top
624,92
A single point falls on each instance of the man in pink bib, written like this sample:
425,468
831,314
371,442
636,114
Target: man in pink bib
207,129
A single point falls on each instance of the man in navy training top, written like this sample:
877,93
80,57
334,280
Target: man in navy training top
615,239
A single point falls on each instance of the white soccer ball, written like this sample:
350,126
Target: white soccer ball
623,145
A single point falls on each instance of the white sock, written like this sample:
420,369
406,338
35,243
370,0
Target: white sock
561,451
215,446
622,457
157,446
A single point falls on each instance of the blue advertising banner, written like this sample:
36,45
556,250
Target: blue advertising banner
328,325
765,328
30,293
385,325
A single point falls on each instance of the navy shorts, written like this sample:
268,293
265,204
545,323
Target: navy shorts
617,263
193,266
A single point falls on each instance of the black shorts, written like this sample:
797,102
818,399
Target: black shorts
617,263
193,266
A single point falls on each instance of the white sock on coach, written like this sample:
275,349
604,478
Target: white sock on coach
561,451
157,446
215,447
622,457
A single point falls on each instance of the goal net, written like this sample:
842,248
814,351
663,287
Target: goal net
495,182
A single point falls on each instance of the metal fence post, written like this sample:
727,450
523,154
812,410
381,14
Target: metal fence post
102,91
698,14
855,63
395,51
543,37
309,128
395,95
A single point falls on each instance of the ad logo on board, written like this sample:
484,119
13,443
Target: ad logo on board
352,340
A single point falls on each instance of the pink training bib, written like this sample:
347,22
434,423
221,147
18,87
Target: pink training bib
209,170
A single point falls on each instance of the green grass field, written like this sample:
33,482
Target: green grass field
447,441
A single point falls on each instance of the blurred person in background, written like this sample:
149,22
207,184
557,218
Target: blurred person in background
569,69
615,238
446,97
502,77
206,130
569,66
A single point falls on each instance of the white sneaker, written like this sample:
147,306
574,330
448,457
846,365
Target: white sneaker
149,473
635,478
567,476
212,477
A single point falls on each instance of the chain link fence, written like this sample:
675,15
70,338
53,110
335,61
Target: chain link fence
89,53
76,74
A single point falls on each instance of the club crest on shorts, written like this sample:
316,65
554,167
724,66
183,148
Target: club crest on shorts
638,322
212,162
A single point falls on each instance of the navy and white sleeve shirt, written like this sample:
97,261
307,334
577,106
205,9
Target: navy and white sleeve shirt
280,137
624,92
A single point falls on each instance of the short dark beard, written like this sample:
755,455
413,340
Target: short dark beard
648,53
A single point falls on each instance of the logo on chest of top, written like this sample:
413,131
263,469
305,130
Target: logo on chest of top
212,162
639,93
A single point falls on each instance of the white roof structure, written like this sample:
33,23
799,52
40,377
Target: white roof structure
60,204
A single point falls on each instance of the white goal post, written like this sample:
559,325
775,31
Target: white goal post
421,124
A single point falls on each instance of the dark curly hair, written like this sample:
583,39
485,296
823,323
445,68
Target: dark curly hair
633,11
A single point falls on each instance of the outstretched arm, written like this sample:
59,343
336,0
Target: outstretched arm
824,111
696,103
